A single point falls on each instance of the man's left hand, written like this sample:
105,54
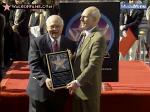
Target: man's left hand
72,86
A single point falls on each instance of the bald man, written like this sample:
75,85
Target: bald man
88,63
42,98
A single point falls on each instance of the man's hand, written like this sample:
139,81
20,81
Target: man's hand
49,84
124,33
122,27
72,86
14,28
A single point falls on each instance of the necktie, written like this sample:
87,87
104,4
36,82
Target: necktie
81,40
55,46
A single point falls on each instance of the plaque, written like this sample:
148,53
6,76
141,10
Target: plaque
60,69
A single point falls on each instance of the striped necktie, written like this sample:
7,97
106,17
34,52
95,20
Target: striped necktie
55,46
81,40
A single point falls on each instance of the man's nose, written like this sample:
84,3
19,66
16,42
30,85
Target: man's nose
81,18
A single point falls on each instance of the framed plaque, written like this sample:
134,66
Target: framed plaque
60,69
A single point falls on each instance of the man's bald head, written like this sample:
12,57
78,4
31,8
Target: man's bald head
90,17
93,12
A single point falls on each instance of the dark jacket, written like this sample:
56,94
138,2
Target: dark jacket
22,21
37,89
133,20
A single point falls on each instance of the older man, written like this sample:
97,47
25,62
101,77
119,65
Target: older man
88,63
42,98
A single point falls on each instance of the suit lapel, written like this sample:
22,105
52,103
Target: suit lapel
87,40
134,13
85,43
47,44
61,43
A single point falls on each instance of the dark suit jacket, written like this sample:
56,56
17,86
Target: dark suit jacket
133,20
22,20
34,20
37,89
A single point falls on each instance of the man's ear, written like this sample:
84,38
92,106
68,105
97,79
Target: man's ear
46,28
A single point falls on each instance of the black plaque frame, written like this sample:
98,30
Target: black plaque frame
60,69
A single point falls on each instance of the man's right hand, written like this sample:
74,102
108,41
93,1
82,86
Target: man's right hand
122,27
48,82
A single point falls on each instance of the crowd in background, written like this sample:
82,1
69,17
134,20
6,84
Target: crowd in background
18,29
133,19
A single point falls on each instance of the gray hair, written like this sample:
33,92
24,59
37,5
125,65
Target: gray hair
56,17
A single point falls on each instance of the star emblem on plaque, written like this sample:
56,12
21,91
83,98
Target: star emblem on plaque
59,62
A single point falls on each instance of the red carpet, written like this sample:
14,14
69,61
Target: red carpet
130,94
134,77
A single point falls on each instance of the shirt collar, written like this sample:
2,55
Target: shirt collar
88,32
52,40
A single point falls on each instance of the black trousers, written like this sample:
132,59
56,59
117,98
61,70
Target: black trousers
55,103
21,46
